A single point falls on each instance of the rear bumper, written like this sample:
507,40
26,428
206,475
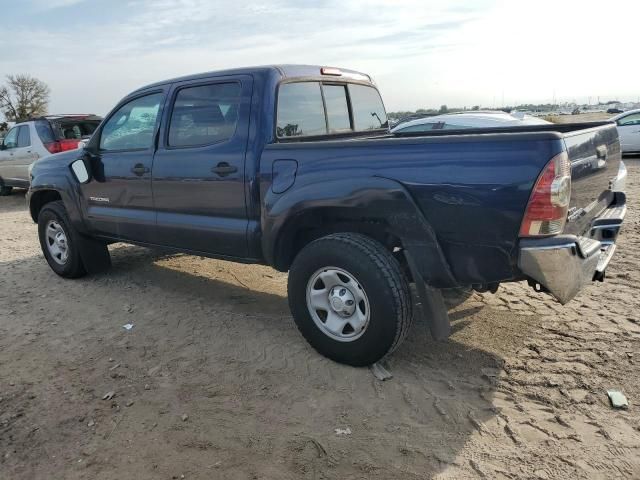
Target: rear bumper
563,264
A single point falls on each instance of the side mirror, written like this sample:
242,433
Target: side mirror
81,170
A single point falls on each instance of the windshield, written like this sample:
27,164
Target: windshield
324,108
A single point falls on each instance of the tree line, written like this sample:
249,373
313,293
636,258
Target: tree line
22,97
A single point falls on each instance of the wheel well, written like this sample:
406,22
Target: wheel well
40,199
312,225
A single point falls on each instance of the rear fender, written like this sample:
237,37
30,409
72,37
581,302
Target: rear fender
369,199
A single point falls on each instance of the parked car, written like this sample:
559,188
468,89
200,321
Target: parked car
28,141
294,167
628,124
614,110
464,120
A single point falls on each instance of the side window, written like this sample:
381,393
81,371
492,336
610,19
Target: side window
633,119
300,110
133,125
11,140
44,132
204,114
335,99
368,110
24,138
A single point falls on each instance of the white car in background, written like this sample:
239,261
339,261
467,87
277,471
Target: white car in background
629,130
29,141
463,120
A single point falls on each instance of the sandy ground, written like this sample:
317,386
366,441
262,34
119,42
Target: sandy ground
214,381
581,117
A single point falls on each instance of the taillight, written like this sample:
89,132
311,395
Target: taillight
62,145
546,212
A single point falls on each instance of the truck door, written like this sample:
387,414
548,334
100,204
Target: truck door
199,168
118,199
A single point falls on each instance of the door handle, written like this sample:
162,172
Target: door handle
223,169
139,169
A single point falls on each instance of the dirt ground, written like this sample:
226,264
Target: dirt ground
581,117
213,380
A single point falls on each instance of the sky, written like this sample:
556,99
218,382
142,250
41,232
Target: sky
421,53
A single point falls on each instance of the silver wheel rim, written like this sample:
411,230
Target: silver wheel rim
57,243
338,304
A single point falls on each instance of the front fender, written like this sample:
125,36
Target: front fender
66,187
371,198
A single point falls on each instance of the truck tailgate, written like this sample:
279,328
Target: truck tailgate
595,159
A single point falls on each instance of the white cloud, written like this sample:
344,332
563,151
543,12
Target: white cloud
422,53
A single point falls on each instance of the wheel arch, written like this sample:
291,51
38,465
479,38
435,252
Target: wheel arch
39,199
56,188
377,207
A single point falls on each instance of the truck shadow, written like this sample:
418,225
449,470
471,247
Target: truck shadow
439,396
231,355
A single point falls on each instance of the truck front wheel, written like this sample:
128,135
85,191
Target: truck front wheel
349,298
59,241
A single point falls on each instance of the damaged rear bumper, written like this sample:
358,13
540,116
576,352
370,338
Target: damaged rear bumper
564,264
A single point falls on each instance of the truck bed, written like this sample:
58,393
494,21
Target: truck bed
471,186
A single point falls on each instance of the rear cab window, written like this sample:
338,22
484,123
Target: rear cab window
321,108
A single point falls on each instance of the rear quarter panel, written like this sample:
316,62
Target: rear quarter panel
472,189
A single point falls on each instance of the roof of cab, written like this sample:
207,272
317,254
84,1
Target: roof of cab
285,71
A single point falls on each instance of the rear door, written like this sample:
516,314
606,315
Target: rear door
199,168
16,157
9,146
24,155
118,198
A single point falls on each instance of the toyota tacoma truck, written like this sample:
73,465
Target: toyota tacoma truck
295,167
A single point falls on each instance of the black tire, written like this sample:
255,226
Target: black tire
73,266
380,276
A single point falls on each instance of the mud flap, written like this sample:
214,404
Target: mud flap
95,254
433,306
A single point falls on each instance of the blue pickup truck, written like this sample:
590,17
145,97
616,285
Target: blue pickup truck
295,167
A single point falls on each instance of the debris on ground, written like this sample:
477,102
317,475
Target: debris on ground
184,417
617,399
380,372
128,326
490,373
109,395
343,431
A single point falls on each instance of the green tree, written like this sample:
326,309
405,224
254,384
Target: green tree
443,109
23,97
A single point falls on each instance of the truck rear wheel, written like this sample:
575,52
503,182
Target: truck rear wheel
59,241
349,298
